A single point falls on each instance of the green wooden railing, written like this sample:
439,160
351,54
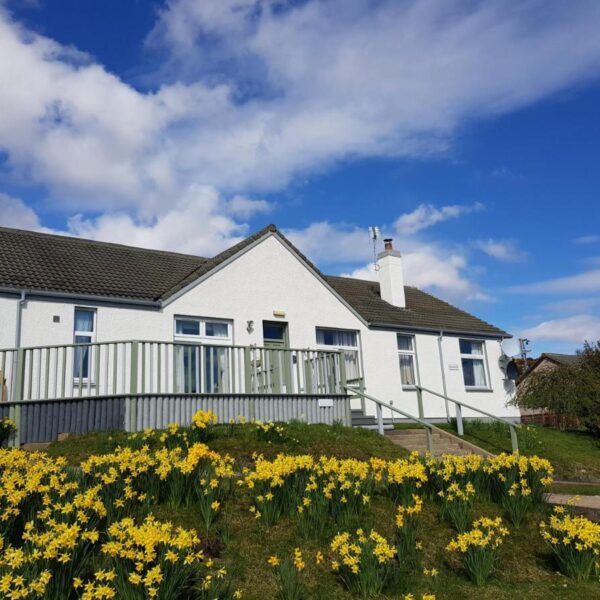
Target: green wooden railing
152,367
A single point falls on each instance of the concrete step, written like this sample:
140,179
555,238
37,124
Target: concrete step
443,442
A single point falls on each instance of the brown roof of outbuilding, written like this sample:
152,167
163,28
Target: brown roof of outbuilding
74,266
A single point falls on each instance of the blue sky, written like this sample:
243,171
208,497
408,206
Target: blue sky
469,131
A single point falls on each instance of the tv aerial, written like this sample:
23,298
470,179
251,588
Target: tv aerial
375,234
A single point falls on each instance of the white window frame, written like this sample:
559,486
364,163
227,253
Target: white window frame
481,357
201,336
415,363
340,348
89,334
202,340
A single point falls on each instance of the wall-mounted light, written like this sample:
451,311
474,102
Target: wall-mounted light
250,326
278,313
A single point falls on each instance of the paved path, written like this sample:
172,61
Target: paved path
587,505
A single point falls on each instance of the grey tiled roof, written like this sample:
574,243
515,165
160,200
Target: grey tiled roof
55,263
42,262
423,311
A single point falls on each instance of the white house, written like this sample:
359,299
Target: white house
191,325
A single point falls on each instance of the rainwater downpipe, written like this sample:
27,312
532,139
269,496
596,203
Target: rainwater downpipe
440,338
20,304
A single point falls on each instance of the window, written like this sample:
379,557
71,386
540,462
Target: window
187,327
216,329
202,358
339,338
346,341
83,333
201,328
472,355
407,358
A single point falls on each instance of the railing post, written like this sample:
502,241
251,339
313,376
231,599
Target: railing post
133,387
379,418
19,375
459,422
341,385
247,370
420,402
14,414
429,440
513,438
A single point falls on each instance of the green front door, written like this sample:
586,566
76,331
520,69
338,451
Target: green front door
277,357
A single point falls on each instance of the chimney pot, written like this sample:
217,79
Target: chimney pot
387,244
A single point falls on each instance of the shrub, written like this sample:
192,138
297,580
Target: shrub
457,504
571,390
480,548
203,423
288,575
518,482
575,541
363,562
153,559
7,426
269,432
407,545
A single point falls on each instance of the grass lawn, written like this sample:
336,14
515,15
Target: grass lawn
343,442
243,545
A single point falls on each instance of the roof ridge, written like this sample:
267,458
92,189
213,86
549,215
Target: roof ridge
78,239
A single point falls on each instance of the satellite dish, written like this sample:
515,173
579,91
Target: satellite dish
508,367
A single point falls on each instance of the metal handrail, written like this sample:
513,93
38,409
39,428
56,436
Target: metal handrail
459,422
429,427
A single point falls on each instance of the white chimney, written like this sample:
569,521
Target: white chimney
391,275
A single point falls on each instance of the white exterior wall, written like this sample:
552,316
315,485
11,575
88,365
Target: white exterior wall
269,277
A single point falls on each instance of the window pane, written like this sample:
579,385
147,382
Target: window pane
273,331
188,369
407,370
474,372
217,329
405,342
325,337
81,357
187,327
337,337
84,319
471,347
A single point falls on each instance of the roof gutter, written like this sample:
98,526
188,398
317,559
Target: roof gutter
436,330
86,297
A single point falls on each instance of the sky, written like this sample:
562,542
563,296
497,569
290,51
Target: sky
467,130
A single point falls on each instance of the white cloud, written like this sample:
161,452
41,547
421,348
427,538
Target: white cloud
283,89
437,267
503,250
586,282
245,208
573,305
427,215
587,239
15,213
194,225
332,242
575,329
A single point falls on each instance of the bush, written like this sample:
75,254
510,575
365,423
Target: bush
568,391
363,562
575,542
7,426
480,548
